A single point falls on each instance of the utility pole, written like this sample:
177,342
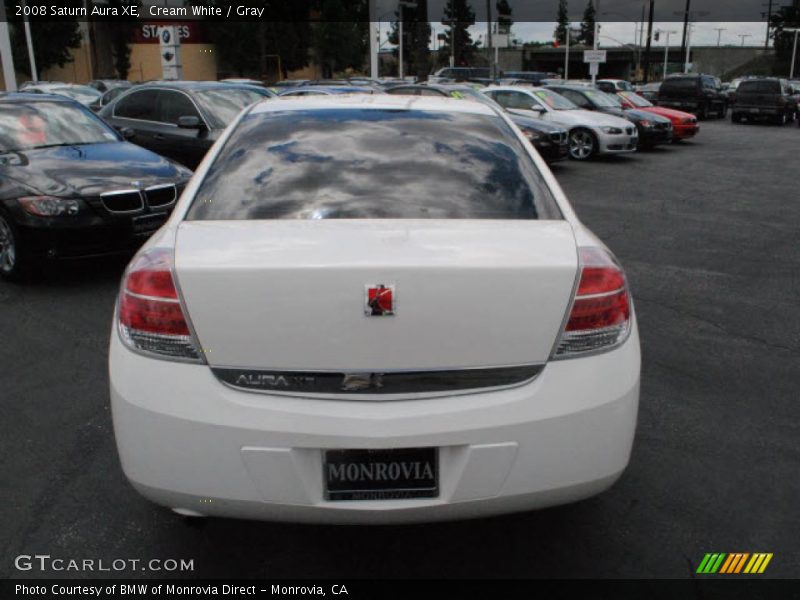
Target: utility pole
9,75
719,31
769,16
794,50
743,36
685,27
649,42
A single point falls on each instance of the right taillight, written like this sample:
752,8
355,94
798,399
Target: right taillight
600,315
150,316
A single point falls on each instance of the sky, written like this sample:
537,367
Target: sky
617,33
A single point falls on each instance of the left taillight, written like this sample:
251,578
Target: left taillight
600,316
150,316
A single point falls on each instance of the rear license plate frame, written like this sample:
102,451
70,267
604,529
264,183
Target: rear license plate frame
368,474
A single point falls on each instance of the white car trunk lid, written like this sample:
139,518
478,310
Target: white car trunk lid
290,294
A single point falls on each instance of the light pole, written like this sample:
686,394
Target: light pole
666,51
29,42
719,31
374,28
743,36
794,50
9,75
596,36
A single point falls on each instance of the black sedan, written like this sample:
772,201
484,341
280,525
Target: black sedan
71,186
550,141
653,129
179,119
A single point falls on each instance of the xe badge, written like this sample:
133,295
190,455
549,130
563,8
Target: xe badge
380,300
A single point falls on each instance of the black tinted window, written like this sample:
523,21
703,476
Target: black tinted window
372,164
138,105
759,87
173,105
679,85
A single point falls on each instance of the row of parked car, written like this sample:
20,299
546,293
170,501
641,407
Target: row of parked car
752,98
77,182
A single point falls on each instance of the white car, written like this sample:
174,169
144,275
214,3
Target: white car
591,133
370,309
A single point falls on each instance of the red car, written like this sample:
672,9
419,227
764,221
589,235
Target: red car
684,125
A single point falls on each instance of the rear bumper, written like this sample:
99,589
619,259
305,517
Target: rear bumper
188,442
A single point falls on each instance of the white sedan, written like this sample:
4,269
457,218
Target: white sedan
590,133
370,309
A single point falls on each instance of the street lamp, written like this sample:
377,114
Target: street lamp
666,50
743,36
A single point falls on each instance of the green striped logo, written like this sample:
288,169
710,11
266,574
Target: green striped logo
734,563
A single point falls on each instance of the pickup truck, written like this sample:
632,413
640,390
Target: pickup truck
767,98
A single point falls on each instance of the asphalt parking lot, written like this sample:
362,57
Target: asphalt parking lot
708,233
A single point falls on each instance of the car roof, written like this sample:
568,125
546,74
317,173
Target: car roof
24,97
374,102
189,85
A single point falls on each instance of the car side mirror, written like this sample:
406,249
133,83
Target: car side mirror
127,133
538,109
189,122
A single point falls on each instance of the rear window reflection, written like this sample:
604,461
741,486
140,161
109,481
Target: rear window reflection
372,164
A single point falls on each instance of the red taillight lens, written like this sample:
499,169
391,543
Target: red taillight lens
150,315
600,314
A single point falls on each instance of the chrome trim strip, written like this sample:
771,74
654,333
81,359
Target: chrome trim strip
340,384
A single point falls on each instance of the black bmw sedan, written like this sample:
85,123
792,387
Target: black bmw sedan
71,186
180,119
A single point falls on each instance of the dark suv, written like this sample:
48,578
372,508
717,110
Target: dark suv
767,98
699,94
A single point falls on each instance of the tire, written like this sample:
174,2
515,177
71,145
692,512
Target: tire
582,144
702,112
781,119
723,111
13,263
736,117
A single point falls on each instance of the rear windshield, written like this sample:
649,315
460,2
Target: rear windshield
689,84
372,164
759,87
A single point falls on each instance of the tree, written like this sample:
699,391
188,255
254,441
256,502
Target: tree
786,17
417,34
121,31
340,38
252,48
459,16
562,20
587,26
53,41
504,20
